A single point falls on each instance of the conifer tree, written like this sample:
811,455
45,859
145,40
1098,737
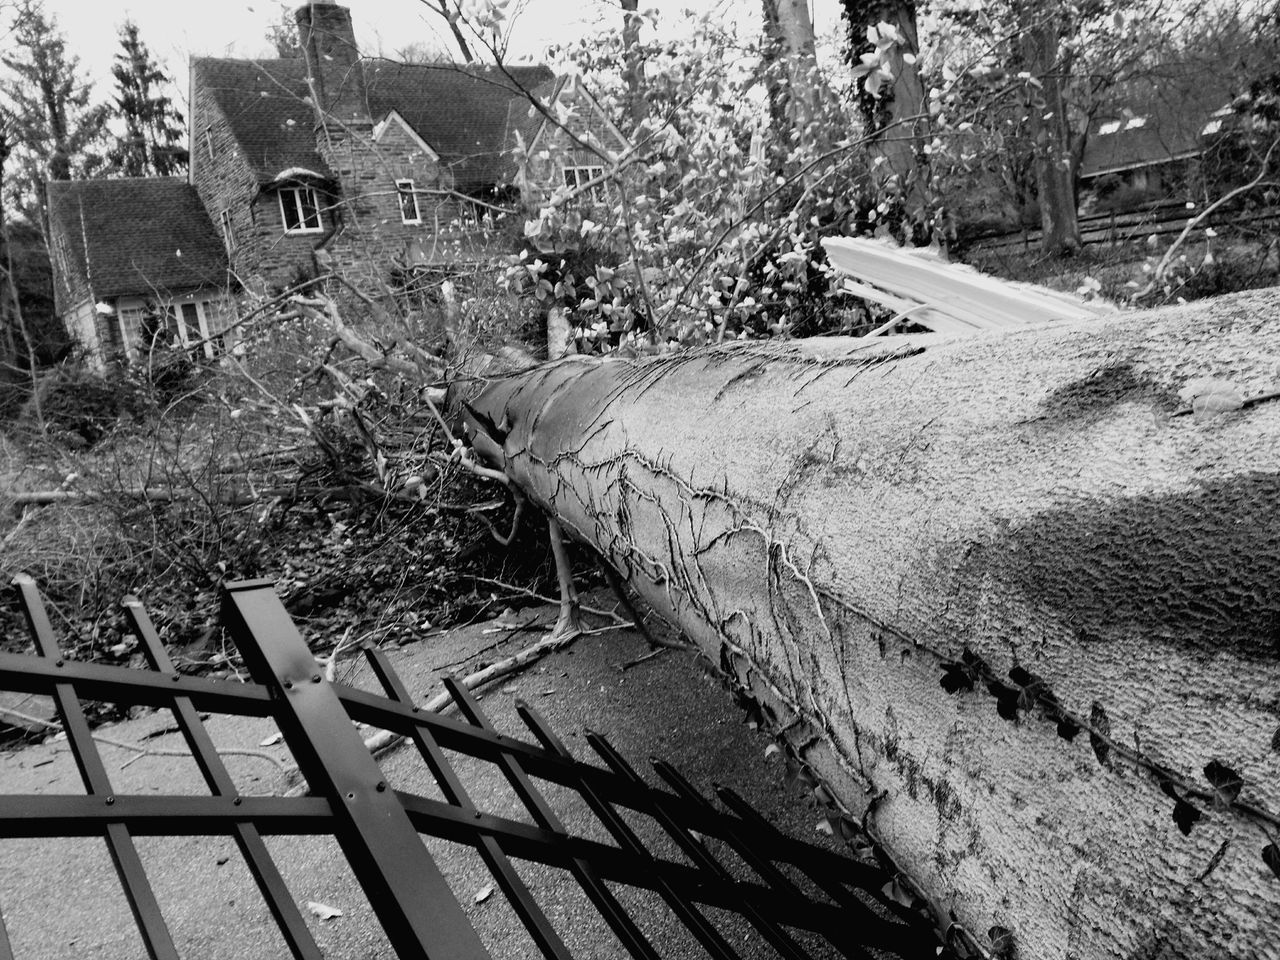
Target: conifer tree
152,141
57,133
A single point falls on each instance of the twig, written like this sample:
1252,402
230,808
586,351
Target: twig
150,751
1157,275
639,660
525,592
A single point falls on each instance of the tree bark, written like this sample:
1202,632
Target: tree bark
1051,134
633,63
844,524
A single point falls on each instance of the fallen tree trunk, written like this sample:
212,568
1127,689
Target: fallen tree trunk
988,581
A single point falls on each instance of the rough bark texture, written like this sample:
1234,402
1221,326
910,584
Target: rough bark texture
837,521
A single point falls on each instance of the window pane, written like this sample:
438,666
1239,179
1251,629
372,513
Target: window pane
310,208
570,177
190,324
289,204
408,201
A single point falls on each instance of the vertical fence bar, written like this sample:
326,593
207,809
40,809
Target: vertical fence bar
825,878
777,937
702,928
283,907
614,913
404,884
133,877
499,864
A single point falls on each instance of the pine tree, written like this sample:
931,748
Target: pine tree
151,144
56,132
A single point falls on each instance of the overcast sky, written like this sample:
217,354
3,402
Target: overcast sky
175,29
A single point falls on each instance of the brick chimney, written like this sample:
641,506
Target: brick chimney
333,61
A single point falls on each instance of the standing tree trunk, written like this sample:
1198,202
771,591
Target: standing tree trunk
898,116
989,585
1051,134
633,63
795,90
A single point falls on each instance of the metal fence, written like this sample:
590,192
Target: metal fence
379,829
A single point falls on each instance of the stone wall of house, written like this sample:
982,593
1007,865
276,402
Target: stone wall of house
262,255
554,150
373,240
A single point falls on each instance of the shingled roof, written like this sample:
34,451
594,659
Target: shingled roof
131,236
268,107
1162,121
460,111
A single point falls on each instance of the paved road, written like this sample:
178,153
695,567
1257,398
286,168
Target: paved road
61,899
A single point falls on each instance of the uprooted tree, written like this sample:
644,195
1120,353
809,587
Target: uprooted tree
1011,597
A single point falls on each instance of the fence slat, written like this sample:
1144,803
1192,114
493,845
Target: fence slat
281,903
583,870
405,887
698,924
133,877
499,864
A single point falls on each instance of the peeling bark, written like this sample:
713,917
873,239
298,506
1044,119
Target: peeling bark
843,523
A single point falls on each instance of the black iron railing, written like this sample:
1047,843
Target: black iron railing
379,828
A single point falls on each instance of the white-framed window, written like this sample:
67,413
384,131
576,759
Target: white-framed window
575,177
208,141
409,212
228,235
199,324
300,210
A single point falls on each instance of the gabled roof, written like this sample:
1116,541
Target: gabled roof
268,106
143,234
460,111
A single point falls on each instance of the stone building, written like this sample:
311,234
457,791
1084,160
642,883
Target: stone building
333,163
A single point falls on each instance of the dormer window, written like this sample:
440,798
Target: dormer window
300,210
409,212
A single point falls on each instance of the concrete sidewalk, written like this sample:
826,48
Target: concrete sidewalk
61,898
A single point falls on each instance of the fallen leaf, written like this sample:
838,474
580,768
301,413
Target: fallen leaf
484,893
771,750
323,910
824,827
272,740
509,688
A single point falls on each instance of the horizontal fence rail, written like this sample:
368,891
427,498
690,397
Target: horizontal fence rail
1129,227
379,829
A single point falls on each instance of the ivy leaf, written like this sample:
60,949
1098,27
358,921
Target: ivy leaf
1271,857
1002,945
1006,699
1184,815
1067,728
1226,782
1101,731
956,677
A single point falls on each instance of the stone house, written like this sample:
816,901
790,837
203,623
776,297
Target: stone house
125,280
332,163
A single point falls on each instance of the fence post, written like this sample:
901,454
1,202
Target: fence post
405,887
